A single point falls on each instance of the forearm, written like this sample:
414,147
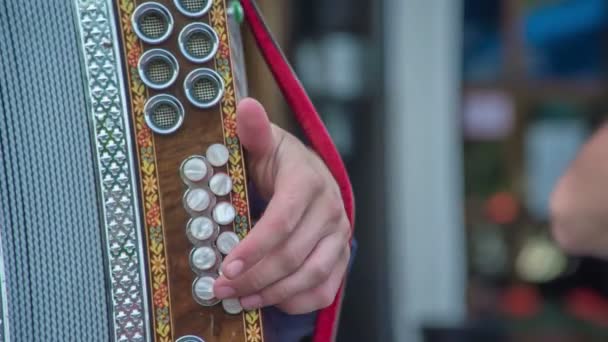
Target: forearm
579,204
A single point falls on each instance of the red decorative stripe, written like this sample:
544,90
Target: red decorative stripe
314,129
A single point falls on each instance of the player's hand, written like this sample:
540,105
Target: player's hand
297,254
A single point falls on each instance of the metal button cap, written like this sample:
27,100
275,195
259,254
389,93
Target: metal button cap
218,155
220,184
203,258
226,242
195,169
224,213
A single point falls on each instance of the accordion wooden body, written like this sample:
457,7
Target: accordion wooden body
122,180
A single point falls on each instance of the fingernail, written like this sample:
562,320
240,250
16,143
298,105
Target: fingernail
233,269
251,302
224,292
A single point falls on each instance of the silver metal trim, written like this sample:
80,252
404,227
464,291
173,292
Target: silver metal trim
145,8
4,323
152,55
194,76
194,28
168,100
117,181
193,14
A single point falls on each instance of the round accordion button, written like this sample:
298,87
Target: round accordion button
202,290
226,242
202,228
195,169
220,184
224,213
197,200
218,155
203,258
232,306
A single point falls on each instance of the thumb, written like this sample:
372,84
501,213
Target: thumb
260,141
254,130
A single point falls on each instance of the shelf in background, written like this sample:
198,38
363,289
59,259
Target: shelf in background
577,90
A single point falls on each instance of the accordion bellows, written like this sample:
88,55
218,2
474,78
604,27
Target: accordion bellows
49,215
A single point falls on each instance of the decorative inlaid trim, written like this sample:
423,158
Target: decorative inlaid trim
153,221
252,320
4,332
110,126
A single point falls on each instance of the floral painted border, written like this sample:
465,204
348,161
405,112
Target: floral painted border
157,258
252,320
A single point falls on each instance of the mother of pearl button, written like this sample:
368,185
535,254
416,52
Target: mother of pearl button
198,200
203,258
224,213
195,169
203,288
201,228
220,184
232,306
218,155
226,242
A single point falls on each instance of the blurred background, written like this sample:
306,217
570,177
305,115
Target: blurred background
455,119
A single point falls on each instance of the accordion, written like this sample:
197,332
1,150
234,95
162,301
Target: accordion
123,183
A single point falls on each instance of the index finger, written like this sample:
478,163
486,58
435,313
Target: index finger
284,211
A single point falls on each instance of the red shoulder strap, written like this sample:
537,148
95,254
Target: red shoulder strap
314,130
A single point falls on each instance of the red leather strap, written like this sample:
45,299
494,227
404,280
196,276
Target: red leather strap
314,130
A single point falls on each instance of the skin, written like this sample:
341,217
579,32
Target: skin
296,256
579,202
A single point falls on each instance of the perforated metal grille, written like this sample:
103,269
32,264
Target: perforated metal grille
153,25
193,6
199,44
205,89
159,71
165,116
48,201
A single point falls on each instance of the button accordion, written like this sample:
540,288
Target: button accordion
122,180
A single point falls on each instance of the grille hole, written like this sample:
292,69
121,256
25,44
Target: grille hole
199,44
153,25
158,68
205,89
193,7
152,22
165,116
159,71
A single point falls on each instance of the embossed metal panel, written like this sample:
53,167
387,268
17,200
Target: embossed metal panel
111,132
